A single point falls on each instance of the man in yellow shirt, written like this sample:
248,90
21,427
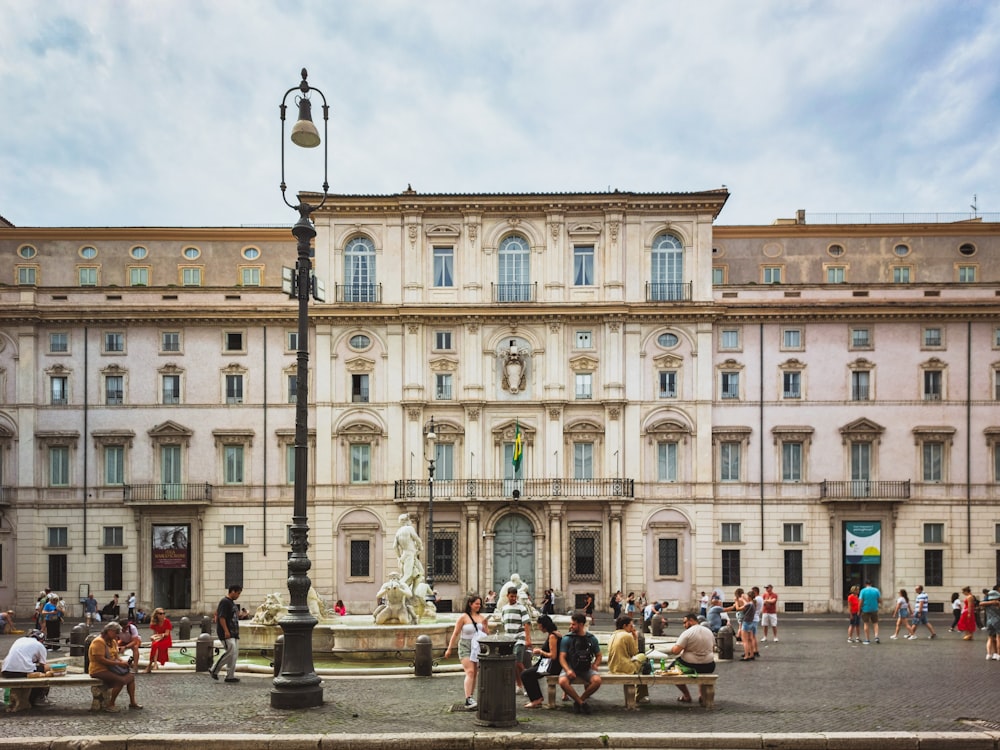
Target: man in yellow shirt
624,656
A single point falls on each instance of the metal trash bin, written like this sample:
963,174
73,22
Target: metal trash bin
724,643
78,639
496,682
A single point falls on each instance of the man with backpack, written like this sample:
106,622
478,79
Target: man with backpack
580,656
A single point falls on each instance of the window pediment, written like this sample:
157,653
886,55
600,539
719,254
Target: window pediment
443,232
360,432
56,437
730,434
57,370
861,429
935,433
668,430
170,368
793,364
668,361
113,437
443,364
583,363
584,231
359,364
729,364
171,433
862,364
934,363
234,368
504,433
792,433
233,437
113,370
583,432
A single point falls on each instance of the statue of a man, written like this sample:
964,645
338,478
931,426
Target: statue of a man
397,607
408,549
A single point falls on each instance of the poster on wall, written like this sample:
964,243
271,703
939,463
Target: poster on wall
863,542
170,546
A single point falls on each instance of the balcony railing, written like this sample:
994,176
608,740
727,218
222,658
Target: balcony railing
865,488
357,292
503,489
661,292
167,492
514,292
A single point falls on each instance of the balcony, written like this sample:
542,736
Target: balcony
175,494
661,292
865,489
515,292
357,293
503,489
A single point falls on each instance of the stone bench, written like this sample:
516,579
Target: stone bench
629,682
20,688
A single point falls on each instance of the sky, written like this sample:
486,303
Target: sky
165,112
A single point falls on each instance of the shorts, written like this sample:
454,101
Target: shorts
855,619
706,668
749,627
870,617
920,619
992,628
769,619
519,652
464,648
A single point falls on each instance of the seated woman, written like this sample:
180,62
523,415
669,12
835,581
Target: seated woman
162,640
107,667
339,608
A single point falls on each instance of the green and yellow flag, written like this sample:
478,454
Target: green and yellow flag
518,447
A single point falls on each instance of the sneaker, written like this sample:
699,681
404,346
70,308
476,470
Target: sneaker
585,707
232,679
996,657
213,675
519,691
892,637
470,702
763,640
877,640
989,658
577,708
931,637
775,639
867,643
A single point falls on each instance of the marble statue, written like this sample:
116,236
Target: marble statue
271,611
408,549
318,608
523,596
397,608
423,602
514,368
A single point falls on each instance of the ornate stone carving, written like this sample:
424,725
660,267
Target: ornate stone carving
514,368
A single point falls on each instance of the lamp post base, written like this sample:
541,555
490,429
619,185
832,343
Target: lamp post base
296,696
297,685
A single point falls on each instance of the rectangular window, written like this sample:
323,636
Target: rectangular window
859,385
27,276
730,385
791,338
772,274
114,465
666,461
730,532
933,533
996,385
171,389
729,462
289,464
793,567
445,553
791,462
58,536
293,389
113,536
113,578
901,275
835,275
583,265
996,466
667,563
360,558
114,342
191,276
232,461
291,341
791,533
729,339
361,463
861,463
966,274
791,384
58,343
583,460
250,277
58,572
584,553
114,390
58,390
718,276
59,466
932,338
933,567
584,340
234,569
232,341
584,385
234,389
88,276
442,340
932,385
668,383
359,388
232,535
861,338
444,266
444,461
933,458
730,567
442,386
170,341
138,276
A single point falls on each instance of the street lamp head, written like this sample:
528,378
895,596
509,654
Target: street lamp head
431,435
304,132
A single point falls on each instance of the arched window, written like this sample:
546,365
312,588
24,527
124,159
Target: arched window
514,282
667,277
359,271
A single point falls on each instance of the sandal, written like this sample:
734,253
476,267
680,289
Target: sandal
682,699
112,709
134,706
533,704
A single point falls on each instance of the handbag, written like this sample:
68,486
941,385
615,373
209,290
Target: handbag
118,669
542,665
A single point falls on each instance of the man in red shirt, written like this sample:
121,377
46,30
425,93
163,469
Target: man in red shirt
769,613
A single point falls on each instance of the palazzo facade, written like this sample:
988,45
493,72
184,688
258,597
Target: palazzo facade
806,405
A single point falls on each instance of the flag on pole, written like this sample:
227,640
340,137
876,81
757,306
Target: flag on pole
518,447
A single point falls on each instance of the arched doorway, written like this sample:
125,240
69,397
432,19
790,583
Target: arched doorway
514,551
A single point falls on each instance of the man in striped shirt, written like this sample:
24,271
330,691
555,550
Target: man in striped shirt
517,622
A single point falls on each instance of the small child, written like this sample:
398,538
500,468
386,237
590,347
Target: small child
956,611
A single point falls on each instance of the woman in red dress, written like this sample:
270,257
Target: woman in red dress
967,622
162,641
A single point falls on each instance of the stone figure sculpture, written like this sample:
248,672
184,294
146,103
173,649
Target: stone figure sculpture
523,596
396,609
271,611
513,368
408,548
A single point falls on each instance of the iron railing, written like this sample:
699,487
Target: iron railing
866,488
167,492
515,292
661,292
503,489
357,293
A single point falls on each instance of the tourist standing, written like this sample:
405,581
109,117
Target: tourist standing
90,613
616,604
131,606
704,602
854,611
227,629
517,623
469,628
921,606
956,610
769,617
871,598
901,612
991,613
967,622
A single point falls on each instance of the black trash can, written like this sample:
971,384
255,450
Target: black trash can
724,643
496,682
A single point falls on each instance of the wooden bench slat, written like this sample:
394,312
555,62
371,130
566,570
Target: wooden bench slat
629,682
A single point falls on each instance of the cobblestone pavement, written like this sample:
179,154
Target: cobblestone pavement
810,681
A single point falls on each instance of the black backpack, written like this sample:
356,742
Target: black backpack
578,654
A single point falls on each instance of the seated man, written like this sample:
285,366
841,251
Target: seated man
128,638
7,622
695,646
27,655
624,656
579,656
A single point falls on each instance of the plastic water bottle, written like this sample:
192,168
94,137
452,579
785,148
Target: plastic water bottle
663,665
